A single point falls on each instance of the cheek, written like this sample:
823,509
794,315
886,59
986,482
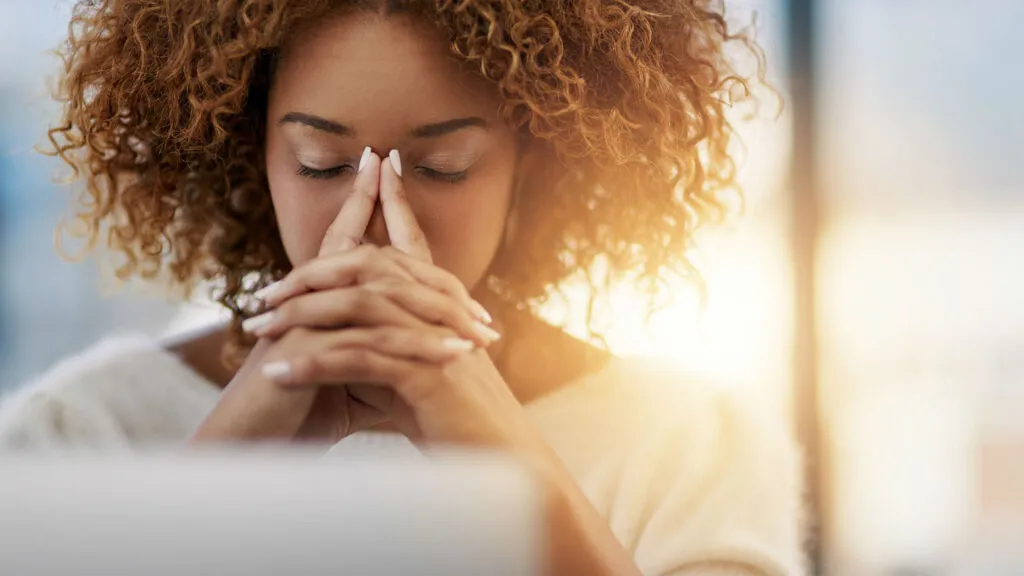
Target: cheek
303,215
465,227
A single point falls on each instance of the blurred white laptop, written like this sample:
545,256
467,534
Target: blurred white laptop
265,514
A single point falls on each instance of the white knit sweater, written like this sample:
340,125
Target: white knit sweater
691,480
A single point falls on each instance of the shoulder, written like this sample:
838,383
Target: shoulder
119,391
687,470
653,401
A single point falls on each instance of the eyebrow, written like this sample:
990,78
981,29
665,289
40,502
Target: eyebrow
426,131
317,123
447,127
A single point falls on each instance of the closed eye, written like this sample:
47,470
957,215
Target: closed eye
325,174
450,177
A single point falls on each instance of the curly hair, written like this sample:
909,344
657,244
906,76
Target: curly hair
163,119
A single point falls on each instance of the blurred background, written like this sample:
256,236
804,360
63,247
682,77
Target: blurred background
870,291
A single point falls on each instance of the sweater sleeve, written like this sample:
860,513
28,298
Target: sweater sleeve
121,394
39,421
723,498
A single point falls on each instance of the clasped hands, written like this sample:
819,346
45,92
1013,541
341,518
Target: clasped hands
363,334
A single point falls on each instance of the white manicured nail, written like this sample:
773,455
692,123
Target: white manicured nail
267,290
253,324
486,332
364,158
396,161
276,371
480,312
458,344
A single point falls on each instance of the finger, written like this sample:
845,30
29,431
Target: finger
342,307
334,271
389,402
403,229
349,227
387,303
435,307
439,279
340,367
367,264
432,345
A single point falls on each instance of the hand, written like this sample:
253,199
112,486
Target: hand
407,372
459,399
252,407
402,317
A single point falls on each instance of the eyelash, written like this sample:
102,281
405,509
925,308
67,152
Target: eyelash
329,173
448,177
313,173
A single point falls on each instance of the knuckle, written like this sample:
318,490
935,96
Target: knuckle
297,337
383,287
286,312
442,332
364,255
338,273
398,272
386,338
432,311
361,300
336,240
358,359
450,284
399,193
366,189
347,242
417,236
395,286
308,368
451,315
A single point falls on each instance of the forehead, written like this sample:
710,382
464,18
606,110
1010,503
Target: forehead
364,68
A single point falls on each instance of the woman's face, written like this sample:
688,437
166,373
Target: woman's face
370,80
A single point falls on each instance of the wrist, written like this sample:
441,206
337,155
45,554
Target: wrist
254,409
579,539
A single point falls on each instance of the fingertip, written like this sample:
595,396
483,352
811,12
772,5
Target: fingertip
258,325
272,296
396,162
267,292
390,181
278,372
369,167
481,313
457,345
367,152
485,333
387,170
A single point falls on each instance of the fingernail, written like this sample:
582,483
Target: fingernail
486,332
276,371
458,344
396,161
251,325
480,312
266,291
364,158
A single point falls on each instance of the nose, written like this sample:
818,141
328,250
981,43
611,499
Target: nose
377,230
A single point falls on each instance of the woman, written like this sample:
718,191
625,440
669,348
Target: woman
413,178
